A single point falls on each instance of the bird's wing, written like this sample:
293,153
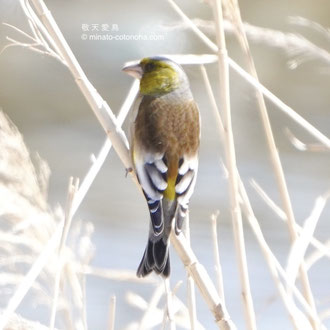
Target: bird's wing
184,188
152,173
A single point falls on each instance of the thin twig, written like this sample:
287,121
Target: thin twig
301,146
191,297
298,249
169,310
322,248
218,268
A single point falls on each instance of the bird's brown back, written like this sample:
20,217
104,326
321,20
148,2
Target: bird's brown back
168,126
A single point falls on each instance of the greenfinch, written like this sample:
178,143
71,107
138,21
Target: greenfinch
165,138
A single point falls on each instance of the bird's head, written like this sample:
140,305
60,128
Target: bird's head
158,75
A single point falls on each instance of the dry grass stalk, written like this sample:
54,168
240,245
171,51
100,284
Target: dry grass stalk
191,297
115,274
217,263
299,247
231,166
318,254
72,189
203,282
301,146
296,316
320,247
169,310
112,313
276,162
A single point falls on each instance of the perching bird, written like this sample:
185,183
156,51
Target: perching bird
164,149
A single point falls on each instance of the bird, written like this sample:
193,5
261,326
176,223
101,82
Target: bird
165,139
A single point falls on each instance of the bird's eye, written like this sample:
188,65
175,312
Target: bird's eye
149,67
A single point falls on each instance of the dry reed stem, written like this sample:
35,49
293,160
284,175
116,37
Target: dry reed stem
281,105
112,313
273,264
203,282
321,248
217,263
115,274
284,193
275,268
318,254
299,247
169,310
191,297
72,189
301,146
231,166
275,158
291,308
191,301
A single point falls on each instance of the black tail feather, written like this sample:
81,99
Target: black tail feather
155,258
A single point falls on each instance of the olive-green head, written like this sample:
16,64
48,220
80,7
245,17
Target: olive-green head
158,75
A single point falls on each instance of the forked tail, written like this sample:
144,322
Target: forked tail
156,258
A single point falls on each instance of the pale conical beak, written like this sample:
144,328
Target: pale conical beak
133,69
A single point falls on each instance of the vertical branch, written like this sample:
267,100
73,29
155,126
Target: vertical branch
169,304
112,313
190,284
217,256
276,162
231,166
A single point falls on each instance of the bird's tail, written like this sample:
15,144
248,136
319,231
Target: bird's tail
156,258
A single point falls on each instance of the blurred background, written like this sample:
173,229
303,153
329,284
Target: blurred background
41,98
